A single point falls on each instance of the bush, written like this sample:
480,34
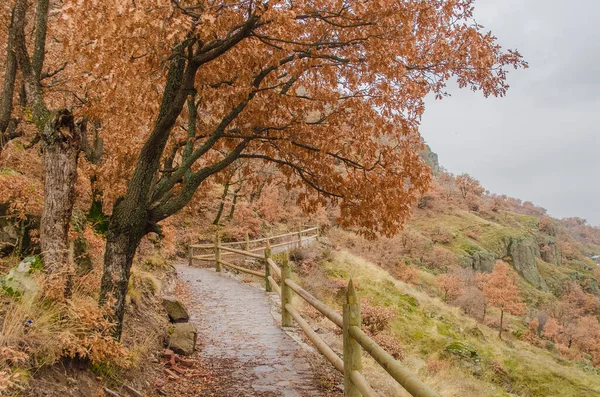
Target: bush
389,342
434,365
440,258
377,318
406,273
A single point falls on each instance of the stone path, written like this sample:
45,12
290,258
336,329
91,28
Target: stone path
236,332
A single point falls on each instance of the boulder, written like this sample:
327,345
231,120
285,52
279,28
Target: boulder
175,309
467,355
182,338
462,349
20,281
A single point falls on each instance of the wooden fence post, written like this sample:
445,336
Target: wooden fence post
267,266
218,251
300,236
247,239
191,259
352,349
286,292
318,238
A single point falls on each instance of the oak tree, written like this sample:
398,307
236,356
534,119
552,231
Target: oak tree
55,126
468,186
330,92
502,292
450,285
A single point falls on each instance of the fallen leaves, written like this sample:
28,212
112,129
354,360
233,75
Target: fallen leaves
183,376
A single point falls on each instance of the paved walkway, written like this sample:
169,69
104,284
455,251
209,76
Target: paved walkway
237,333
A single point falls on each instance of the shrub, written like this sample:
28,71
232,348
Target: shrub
440,235
389,342
40,330
434,365
377,318
440,258
405,273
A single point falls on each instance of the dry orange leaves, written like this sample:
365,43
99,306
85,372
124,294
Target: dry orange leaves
331,91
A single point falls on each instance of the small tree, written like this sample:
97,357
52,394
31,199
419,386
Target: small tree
450,285
447,185
469,185
502,292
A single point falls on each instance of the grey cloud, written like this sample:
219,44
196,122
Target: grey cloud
540,142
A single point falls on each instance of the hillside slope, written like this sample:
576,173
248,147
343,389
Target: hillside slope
449,350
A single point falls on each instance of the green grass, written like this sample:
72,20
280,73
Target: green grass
425,326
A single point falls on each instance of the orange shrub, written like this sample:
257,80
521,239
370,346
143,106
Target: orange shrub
434,365
389,342
376,319
405,273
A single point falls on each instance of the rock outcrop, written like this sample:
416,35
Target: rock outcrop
483,261
524,251
549,252
431,159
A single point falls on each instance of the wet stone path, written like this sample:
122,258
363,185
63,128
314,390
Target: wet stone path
250,354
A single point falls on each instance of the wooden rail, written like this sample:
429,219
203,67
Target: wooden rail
354,338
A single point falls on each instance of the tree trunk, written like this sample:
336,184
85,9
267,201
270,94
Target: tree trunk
501,321
10,73
484,312
234,202
126,228
221,204
60,152
130,219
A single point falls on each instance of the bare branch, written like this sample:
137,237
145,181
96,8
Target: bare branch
299,170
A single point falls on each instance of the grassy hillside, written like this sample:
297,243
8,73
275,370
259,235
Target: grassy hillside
449,350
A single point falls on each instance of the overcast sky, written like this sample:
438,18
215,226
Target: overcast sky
541,142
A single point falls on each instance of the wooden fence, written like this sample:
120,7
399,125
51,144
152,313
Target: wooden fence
278,279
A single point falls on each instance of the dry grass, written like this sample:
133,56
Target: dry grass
38,331
425,325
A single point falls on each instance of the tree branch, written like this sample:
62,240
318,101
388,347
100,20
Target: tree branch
39,47
35,95
299,170
191,184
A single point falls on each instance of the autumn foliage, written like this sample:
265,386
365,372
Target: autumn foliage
501,292
146,110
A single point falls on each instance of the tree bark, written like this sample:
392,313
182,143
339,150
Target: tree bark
221,204
234,202
8,89
130,219
136,213
501,321
126,228
60,146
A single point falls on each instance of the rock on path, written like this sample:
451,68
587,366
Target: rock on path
237,333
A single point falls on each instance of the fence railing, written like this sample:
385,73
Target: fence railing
354,338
